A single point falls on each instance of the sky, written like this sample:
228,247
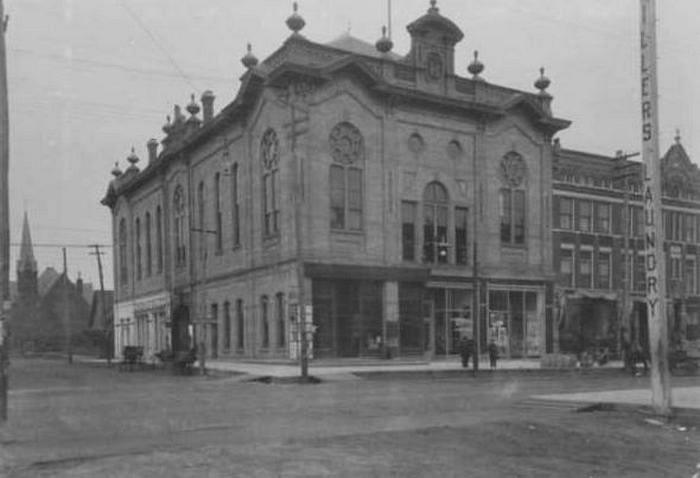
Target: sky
89,79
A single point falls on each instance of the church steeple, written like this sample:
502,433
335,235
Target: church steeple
27,285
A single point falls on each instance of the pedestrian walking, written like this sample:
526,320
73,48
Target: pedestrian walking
465,350
493,354
202,357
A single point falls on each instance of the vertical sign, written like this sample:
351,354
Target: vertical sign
655,260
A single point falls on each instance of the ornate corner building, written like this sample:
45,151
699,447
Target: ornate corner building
393,202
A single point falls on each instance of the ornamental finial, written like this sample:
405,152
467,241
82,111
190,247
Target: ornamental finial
295,22
542,83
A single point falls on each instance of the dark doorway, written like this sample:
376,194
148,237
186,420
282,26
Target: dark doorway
180,333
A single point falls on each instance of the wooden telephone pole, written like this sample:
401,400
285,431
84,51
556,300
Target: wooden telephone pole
654,258
4,219
108,324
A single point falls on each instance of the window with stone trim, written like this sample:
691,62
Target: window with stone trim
584,215
240,325
269,155
603,270
159,240
137,228
123,266
179,227
408,231
346,177
602,217
566,267
265,321
566,213
217,213
435,212
281,321
236,208
690,275
149,245
461,249
512,207
585,269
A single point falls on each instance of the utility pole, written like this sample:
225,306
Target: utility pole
66,314
108,324
655,261
4,220
623,172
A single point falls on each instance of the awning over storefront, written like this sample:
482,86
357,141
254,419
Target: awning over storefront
354,272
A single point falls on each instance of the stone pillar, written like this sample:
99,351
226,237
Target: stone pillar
391,319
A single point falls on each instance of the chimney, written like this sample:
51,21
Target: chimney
152,146
207,106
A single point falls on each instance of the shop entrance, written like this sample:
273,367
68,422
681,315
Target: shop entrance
348,317
515,322
450,310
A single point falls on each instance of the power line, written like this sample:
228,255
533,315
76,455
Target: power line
59,245
158,44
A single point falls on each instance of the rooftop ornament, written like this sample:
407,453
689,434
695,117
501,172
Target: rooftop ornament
167,127
384,44
116,172
192,107
250,60
295,22
433,8
542,83
476,67
132,159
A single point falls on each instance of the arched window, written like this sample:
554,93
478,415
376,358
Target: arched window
265,321
512,199
435,211
201,206
149,253
217,211
235,209
159,240
240,325
269,155
123,266
179,226
227,326
138,248
281,322
346,196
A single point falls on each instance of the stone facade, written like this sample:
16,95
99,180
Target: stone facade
358,187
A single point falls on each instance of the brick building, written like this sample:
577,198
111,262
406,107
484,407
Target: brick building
355,181
598,209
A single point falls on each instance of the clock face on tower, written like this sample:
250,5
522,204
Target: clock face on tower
434,66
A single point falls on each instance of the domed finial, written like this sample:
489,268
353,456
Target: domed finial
132,158
677,138
192,107
295,22
167,127
542,82
476,67
116,172
249,60
384,44
433,8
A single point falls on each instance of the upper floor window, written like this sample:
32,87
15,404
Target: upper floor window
346,191
512,199
281,322
123,266
461,252
602,217
584,216
269,155
137,227
435,211
566,267
149,253
201,211
240,325
566,213
585,269
603,270
159,240
235,209
217,211
689,228
179,226
227,326
690,275
408,231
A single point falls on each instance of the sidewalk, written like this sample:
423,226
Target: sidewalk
682,397
328,369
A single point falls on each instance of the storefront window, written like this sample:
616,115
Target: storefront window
515,324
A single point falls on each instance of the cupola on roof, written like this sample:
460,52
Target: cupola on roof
433,21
